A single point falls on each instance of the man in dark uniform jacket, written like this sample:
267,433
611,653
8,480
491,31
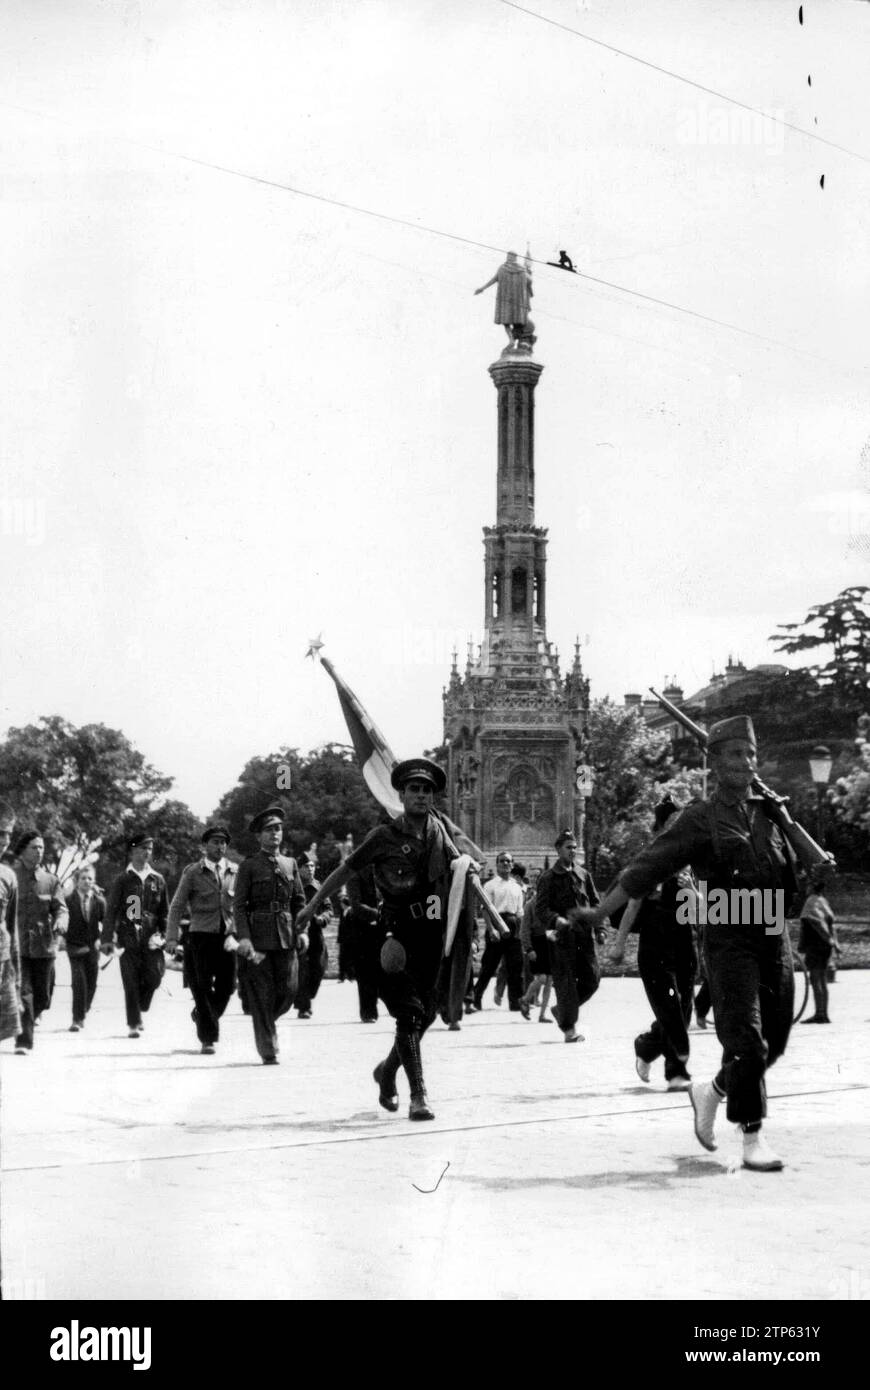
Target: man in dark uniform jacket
268,899
87,909
42,919
573,958
411,860
731,843
205,895
312,966
137,907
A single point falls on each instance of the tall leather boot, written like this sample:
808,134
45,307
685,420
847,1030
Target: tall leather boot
408,1047
385,1075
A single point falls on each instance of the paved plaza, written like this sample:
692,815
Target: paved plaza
141,1169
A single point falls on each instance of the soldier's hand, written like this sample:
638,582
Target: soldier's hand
246,949
600,934
532,956
301,941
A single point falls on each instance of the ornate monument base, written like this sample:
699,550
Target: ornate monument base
513,726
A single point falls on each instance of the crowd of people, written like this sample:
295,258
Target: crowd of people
258,927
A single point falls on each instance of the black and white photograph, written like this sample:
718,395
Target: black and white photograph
434,540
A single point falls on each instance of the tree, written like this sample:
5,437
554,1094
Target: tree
850,796
633,770
327,799
843,624
89,781
87,784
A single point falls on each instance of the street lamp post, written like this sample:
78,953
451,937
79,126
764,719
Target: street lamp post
821,762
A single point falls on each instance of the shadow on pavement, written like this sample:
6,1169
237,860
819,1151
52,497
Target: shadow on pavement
641,1178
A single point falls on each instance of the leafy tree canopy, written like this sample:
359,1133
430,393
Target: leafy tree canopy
633,770
843,625
90,783
323,794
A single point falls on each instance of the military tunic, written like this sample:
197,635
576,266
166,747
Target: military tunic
411,874
268,896
731,843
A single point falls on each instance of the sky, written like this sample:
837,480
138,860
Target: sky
237,416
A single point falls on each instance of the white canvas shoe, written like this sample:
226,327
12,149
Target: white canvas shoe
758,1155
705,1102
679,1083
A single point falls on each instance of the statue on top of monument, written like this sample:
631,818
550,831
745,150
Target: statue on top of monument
512,297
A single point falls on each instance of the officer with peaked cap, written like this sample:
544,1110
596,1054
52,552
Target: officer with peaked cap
205,894
268,897
137,906
410,859
732,844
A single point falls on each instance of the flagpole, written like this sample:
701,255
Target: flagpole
386,752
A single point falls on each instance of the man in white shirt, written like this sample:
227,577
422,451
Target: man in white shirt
205,893
506,896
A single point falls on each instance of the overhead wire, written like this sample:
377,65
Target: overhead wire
688,81
486,246
418,226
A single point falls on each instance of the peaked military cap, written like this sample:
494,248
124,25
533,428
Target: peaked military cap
424,768
139,837
738,727
262,818
213,830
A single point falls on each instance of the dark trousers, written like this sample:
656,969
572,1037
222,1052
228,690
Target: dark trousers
312,967
367,972
84,971
211,976
576,974
141,973
37,987
702,999
508,949
666,962
751,978
270,989
410,994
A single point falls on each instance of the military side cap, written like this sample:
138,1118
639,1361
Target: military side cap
424,768
738,727
262,818
139,837
211,831
565,835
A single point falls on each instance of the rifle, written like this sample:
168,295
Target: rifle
810,855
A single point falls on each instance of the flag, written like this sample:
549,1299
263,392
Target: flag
376,758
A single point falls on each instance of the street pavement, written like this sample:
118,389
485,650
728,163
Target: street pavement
143,1170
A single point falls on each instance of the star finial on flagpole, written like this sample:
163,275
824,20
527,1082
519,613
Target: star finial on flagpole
314,646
